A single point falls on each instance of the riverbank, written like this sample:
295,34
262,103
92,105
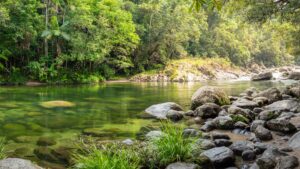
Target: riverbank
197,70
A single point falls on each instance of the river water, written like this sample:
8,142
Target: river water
113,108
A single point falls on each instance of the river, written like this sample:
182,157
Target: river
113,108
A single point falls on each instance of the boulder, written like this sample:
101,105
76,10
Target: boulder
17,163
261,100
288,162
266,163
239,147
294,75
208,126
208,94
160,111
245,103
190,133
220,156
223,122
273,94
248,155
204,144
256,123
284,105
153,134
268,115
208,110
180,165
218,135
263,133
239,111
283,126
241,125
262,76
293,90
222,142
251,91
174,115
294,141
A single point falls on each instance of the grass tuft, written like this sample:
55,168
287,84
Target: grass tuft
111,156
172,146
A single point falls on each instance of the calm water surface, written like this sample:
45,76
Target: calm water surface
115,108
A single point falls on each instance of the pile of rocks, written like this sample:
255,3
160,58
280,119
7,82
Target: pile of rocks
268,118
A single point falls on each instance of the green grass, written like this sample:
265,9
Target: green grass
2,148
172,146
111,156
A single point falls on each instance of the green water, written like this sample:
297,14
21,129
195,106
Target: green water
115,108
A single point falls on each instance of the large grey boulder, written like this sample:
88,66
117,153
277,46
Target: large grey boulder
284,105
294,141
273,94
281,125
180,165
160,111
17,163
209,94
262,76
220,156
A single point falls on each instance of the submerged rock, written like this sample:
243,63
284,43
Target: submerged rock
46,141
160,111
57,103
17,163
220,156
262,76
208,94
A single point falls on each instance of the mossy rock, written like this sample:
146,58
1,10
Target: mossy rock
57,103
97,132
209,94
239,117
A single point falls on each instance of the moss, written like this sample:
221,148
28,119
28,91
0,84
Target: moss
239,117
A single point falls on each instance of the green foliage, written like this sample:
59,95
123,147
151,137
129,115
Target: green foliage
172,146
239,117
109,157
58,41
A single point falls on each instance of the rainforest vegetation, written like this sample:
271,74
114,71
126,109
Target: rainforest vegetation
74,41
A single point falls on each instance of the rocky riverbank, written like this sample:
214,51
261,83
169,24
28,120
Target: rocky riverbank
268,121
196,70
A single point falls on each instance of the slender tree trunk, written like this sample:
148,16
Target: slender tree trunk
46,27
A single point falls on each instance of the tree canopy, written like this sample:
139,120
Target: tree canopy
62,41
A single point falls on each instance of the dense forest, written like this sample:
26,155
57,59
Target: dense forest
67,41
